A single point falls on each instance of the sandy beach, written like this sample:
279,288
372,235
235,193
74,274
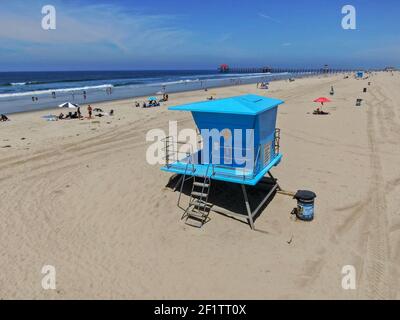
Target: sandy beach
79,195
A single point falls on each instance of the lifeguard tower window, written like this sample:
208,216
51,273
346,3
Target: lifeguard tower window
227,146
267,153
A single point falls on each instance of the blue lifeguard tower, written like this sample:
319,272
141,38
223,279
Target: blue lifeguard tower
239,143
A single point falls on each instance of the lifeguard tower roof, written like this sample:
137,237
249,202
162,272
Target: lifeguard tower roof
249,104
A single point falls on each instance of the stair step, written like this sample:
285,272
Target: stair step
201,204
197,215
194,222
199,194
201,184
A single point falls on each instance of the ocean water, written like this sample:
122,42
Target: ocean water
26,91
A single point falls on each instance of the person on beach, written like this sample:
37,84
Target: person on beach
4,118
319,111
79,112
89,109
61,116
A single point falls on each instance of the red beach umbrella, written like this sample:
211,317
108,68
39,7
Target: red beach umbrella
322,100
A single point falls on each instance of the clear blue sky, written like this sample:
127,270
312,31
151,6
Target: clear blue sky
197,34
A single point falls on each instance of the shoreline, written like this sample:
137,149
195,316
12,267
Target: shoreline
144,97
125,100
152,89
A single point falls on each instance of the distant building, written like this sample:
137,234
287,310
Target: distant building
223,68
266,69
360,74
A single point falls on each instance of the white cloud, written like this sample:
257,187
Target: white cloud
265,16
107,25
225,37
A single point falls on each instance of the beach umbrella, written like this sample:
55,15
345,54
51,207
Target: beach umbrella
322,100
69,105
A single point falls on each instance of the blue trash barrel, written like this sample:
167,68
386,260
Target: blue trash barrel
305,204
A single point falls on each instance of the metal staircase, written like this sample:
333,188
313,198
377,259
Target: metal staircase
198,209
196,214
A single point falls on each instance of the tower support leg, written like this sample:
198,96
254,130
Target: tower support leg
252,214
249,213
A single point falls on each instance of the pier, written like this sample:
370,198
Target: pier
224,68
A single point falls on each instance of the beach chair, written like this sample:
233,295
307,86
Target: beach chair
4,118
320,112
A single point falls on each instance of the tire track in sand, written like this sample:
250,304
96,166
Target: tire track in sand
376,276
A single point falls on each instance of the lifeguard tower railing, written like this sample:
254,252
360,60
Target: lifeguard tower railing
182,158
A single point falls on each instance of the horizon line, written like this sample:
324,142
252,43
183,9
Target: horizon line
195,69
